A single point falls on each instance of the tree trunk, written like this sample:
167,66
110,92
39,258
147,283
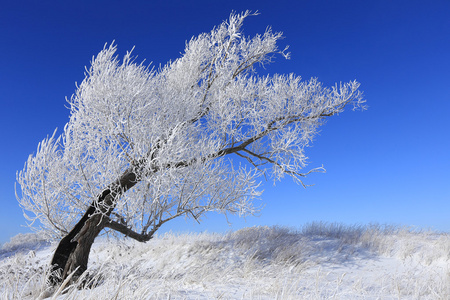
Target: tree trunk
78,259
72,253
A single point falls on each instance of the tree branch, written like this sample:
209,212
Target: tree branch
128,232
142,237
289,172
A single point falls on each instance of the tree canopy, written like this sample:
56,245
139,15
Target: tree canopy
178,129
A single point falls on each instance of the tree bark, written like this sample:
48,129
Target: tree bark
72,253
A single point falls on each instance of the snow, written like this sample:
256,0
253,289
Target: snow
319,261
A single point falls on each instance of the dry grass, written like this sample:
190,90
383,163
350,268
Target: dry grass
319,261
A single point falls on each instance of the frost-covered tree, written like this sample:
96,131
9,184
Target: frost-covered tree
144,146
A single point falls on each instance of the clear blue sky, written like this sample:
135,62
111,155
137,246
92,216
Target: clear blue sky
389,164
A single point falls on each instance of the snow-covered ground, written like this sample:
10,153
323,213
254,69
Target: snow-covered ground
319,261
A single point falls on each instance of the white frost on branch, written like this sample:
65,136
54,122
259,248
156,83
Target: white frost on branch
178,129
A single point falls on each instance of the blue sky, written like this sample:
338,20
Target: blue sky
389,164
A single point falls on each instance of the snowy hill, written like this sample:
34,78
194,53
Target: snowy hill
320,261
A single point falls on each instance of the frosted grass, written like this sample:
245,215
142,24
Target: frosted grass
318,261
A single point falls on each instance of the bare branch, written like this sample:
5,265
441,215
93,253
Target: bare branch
128,231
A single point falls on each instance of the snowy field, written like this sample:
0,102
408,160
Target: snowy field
318,261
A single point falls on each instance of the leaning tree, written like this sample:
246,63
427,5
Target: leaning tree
144,146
